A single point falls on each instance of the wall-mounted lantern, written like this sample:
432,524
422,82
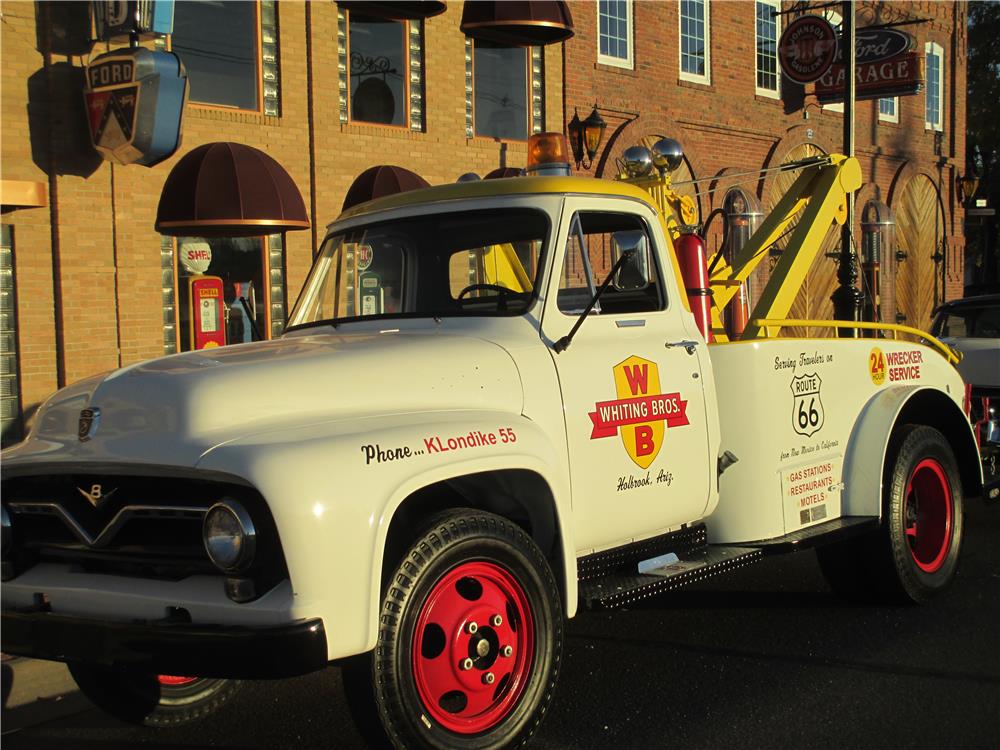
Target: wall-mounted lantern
967,186
585,137
878,240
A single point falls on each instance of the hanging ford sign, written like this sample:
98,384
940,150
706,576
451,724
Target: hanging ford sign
878,45
135,100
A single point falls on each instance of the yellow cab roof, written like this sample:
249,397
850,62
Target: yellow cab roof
499,187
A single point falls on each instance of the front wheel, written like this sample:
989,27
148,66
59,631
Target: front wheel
471,638
151,700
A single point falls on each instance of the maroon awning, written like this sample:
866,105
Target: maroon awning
520,23
229,190
501,172
396,10
377,182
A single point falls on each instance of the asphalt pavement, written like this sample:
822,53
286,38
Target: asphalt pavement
765,657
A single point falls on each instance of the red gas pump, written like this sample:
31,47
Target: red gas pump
207,312
690,248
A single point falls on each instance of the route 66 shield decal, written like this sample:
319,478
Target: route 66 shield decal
807,407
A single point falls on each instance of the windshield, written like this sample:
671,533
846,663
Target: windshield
461,263
969,322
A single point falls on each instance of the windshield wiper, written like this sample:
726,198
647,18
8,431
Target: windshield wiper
563,344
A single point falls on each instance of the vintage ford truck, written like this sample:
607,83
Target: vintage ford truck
492,406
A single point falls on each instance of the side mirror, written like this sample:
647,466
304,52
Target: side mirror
634,273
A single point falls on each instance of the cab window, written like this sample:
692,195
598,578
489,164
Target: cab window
595,243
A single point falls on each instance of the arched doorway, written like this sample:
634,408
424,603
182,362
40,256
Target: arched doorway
919,237
813,300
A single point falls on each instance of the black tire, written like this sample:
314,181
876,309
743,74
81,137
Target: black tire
924,514
468,567
914,555
141,698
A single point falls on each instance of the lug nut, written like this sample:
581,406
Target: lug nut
497,621
488,678
506,651
466,664
472,627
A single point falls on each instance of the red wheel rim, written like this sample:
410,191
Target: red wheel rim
473,647
928,515
173,680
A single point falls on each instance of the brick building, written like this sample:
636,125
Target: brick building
89,285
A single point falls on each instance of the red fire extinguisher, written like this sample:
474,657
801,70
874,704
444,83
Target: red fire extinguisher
690,248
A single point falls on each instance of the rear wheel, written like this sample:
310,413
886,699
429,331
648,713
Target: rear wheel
151,700
471,638
915,554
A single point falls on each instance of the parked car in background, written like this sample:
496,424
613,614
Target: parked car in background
972,325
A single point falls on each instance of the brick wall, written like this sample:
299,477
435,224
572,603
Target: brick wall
724,126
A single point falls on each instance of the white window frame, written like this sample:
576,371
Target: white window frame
619,62
693,77
894,117
933,48
774,93
835,20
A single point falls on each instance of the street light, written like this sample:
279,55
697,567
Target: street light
585,137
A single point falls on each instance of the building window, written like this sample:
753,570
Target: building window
695,41
836,20
381,70
888,109
230,52
933,118
500,90
252,272
768,80
614,38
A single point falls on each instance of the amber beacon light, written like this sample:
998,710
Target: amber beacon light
548,154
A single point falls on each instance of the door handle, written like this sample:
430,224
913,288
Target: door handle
689,346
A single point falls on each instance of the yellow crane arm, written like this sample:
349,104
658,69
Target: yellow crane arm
819,194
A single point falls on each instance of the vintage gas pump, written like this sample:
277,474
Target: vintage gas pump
208,325
877,239
743,215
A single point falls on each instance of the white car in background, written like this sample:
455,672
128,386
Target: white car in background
972,325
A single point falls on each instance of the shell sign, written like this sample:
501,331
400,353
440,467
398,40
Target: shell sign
641,412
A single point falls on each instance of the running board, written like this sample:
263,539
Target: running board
625,588
824,533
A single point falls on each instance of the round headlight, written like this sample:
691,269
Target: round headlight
230,537
8,534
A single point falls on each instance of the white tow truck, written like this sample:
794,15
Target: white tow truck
492,407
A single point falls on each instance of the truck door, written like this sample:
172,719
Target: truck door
632,386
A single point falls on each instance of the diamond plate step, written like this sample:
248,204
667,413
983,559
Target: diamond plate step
619,589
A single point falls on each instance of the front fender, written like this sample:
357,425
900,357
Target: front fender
868,452
333,489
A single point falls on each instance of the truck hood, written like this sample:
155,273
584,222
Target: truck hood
980,363
171,410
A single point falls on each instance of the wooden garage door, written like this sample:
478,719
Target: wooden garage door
919,231
813,300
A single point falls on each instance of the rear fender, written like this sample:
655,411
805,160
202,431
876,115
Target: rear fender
870,447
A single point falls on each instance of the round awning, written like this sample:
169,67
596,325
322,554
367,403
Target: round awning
519,23
396,10
229,190
377,182
501,172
